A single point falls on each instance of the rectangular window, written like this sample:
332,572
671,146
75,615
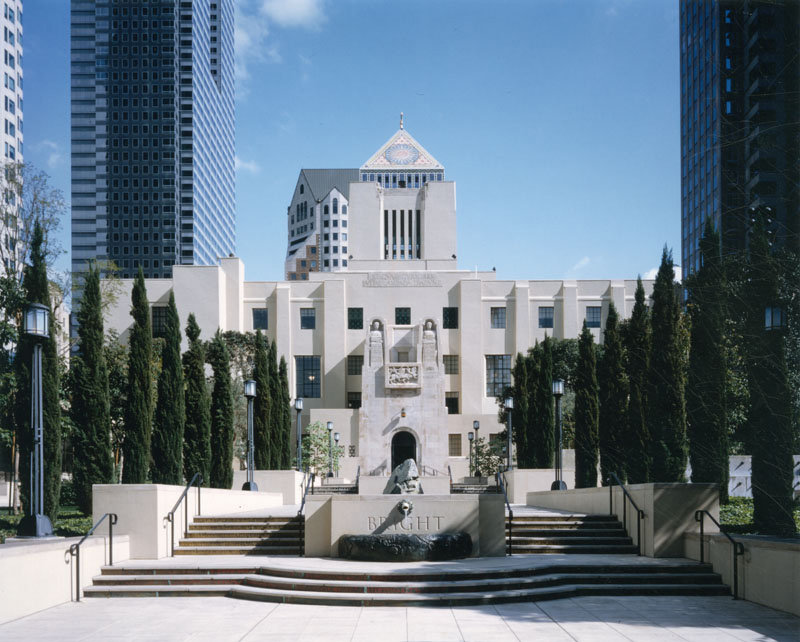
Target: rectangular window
451,401
498,374
593,316
546,317
353,401
451,364
450,318
402,316
308,318
307,377
454,445
355,318
498,318
159,321
260,319
354,364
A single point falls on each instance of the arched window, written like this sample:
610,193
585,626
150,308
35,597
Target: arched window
302,188
326,210
335,205
344,208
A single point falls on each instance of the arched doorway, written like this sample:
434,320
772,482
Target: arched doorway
404,446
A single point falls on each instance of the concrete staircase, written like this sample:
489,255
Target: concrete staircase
553,533
243,536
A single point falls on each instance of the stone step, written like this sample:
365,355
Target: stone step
200,519
576,526
544,517
169,579
238,550
585,549
293,535
154,571
573,541
239,542
157,591
567,532
245,526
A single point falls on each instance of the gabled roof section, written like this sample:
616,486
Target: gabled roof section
402,152
322,181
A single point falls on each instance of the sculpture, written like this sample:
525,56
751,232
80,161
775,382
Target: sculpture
404,480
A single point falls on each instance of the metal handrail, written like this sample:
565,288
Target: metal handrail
738,547
358,476
75,551
640,515
170,516
307,477
500,479
450,474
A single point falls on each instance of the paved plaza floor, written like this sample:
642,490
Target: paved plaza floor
589,619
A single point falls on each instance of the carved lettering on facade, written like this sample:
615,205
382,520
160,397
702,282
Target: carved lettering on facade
422,523
402,280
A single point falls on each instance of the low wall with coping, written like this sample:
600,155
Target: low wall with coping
521,481
374,485
769,570
141,509
286,482
669,510
34,575
330,517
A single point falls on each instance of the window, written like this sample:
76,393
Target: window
451,364
774,318
260,319
450,318
402,316
355,318
498,317
593,316
354,364
307,381
454,444
308,318
451,401
546,317
353,401
159,321
498,374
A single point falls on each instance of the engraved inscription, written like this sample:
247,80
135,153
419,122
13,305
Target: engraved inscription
420,523
402,280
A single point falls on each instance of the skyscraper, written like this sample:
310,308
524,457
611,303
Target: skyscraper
740,119
152,133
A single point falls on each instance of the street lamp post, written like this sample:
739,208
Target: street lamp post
509,404
330,449
476,426
471,437
36,523
250,393
558,390
298,406
336,439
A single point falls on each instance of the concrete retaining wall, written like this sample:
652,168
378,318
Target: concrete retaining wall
286,482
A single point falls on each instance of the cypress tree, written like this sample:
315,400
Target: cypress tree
221,415
275,412
139,411
586,412
521,411
286,415
37,290
168,425
197,428
637,352
91,412
613,400
706,407
543,437
666,408
261,405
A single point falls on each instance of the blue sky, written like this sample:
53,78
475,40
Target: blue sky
558,119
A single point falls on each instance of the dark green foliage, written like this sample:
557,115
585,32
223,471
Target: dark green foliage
117,363
261,405
36,290
637,352
613,400
221,415
286,415
521,418
666,408
275,411
197,428
586,412
90,401
542,408
706,408
168,424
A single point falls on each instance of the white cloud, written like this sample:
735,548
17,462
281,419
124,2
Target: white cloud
653,272
294,13
251,167
580,264
55,156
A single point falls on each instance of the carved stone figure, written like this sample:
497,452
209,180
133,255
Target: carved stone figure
404,480
376,344
428,345
402,375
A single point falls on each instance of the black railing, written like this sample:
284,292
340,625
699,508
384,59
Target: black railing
75,551
308,484
627,497
170,516
738,548
500,479
358,477
450,474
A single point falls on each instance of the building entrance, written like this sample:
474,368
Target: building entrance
404,446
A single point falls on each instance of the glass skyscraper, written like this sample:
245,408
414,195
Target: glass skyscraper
152,133
740,119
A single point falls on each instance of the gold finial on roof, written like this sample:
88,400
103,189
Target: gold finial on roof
401,120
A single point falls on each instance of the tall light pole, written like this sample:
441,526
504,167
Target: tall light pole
250,393
471,437
298,406
558,390
36,523
330,449
336,439
476,426
509,405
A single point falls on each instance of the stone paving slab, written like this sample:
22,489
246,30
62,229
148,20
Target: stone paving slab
585,619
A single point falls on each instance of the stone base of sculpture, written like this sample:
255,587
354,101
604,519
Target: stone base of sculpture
402,547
